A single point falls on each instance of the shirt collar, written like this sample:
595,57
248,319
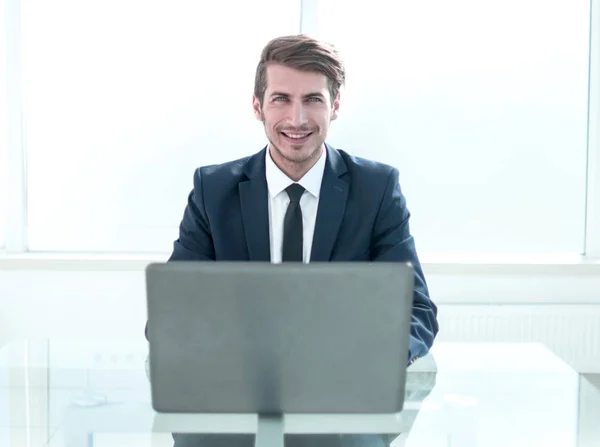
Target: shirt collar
277,180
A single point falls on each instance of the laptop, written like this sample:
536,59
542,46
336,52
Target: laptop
248,337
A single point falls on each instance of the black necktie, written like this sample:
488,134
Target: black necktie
292,226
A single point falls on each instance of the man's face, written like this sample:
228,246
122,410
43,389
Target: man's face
296,111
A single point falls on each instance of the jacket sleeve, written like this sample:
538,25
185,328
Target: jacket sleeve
195,240
392,242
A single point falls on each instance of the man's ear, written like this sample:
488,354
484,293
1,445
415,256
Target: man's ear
257,108
335,107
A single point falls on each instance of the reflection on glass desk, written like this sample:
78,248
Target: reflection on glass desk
78,393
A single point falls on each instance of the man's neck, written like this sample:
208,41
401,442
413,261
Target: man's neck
294,170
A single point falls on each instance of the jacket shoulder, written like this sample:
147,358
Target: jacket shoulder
359,166
230,169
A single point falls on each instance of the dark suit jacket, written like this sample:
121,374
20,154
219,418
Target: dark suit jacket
361,216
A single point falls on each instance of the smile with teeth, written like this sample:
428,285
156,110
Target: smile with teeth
296,136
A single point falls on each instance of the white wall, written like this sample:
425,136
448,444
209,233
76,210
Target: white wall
558,305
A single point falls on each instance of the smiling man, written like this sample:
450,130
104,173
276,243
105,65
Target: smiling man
301,200
296,107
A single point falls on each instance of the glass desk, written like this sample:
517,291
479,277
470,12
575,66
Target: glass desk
79,393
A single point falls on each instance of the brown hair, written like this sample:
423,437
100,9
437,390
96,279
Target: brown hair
302,53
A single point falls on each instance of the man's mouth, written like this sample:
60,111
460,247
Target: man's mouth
296,137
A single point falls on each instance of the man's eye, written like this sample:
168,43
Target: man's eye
314,99
280,98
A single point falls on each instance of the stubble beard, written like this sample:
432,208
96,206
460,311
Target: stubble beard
292,162
296,161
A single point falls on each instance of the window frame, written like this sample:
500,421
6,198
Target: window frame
16,209
592,227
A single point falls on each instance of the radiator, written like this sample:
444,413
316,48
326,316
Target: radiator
571,331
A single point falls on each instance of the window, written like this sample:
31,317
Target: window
483,108
481,105
123,100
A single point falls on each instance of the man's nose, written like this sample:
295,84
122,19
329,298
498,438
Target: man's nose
297,115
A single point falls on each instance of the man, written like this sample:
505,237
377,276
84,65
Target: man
299,199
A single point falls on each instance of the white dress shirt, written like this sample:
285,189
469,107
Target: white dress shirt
277,182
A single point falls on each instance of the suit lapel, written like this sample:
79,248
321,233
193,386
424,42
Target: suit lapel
332,205
255,209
